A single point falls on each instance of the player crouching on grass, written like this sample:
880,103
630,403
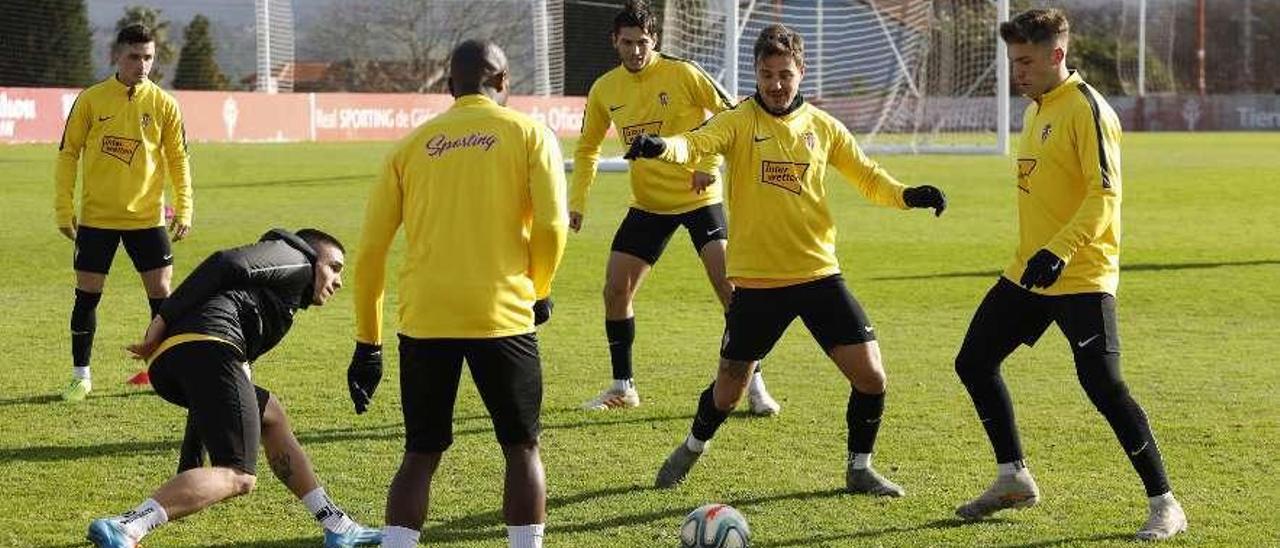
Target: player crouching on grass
781,258
238,304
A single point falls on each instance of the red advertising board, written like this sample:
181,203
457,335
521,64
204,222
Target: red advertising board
37,114
244,116
372,116
34,114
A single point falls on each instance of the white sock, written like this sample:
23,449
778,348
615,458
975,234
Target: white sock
525,536
326,512
696,445
1161,500
620,385
860,461
141,520
1010,468
399,537
80,373
757,383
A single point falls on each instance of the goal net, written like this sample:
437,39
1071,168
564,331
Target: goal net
905,75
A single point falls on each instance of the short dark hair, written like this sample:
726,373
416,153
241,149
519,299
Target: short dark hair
1038,26
315,237
136,33
473,63
636,14
779,40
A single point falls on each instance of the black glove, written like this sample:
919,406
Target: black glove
364,374
542,310
1042,270
645,146
925,196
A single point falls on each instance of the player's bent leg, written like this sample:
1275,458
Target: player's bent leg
714,405
200,488
288,461
409,495
623,277
524,499
292,467
83,326
861,364
183,495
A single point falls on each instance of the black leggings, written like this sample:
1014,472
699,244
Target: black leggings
1010,316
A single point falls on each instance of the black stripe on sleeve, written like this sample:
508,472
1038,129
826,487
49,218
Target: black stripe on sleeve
724,95
1097,127
63,142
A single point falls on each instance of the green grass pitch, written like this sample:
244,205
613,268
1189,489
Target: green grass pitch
1199,303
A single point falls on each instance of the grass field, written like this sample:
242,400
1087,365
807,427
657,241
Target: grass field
1199,309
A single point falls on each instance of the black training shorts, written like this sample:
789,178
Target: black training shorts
643,234
757,318
209,378
96,247
1011,315
507,372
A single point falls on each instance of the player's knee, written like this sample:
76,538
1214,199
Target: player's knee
242,483
273,414
872,382
520,451
617,292
972,368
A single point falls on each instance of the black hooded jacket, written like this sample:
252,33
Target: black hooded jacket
245,295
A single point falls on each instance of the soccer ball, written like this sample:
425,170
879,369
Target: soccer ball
715,526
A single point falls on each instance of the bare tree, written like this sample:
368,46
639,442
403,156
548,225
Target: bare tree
404,45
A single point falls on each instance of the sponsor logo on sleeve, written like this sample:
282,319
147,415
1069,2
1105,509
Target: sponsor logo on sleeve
788,176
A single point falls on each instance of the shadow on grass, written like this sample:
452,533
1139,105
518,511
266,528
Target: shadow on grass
1072,541
865,534
1141,267
54,398
311,438
310,181
300,542
489,526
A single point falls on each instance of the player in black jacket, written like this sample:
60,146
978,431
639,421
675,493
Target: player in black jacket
238,304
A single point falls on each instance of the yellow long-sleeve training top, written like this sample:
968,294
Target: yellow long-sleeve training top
1069,188
668,96
129,137
781,230
480,191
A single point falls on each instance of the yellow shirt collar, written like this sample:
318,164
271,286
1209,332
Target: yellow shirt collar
1073,80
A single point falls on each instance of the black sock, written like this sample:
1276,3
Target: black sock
863,417
1100,377
620,333
154,303
994,406
84,322
708,419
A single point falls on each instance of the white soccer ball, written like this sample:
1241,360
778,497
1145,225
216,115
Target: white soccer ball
715,526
